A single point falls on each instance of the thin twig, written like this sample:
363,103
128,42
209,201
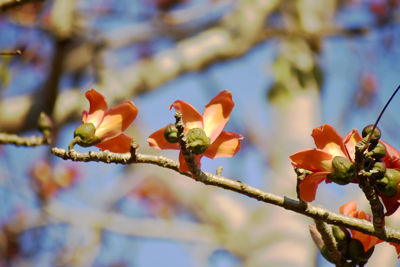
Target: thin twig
11,53
23,140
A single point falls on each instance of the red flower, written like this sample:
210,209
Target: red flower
212,122
109,124
368,241
319,160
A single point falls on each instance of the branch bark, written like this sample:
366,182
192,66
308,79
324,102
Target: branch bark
237,186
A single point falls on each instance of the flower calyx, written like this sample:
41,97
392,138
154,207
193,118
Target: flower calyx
375,136
377,151
344,170
388,184
85,135
171,133
197,140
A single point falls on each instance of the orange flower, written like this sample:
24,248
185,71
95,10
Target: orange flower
49,181
212,122
368,241
319,160
102,127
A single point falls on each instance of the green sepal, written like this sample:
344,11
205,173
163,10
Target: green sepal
197,140
388,184
87,134
171,133
378,151
378,170
344,170
376,134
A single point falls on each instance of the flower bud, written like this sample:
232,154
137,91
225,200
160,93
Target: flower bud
197,140
44,122
341,236
86,133
378,170
171,133
356,251
388,184
344,170
378,152
376,134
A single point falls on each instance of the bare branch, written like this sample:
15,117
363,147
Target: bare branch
236,186
23,140
8,4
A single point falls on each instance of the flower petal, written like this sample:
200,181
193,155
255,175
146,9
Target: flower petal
98,107
327,139
368,241
227,144
391,203
350,141
349,208
110,127
217,113
392,158
157,140
190,116
128,112
118,144
308,187
182,163
312,160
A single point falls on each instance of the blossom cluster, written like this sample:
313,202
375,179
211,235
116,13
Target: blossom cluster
335,159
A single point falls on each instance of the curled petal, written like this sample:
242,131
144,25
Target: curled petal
312,159
392,158
391,203
308,187
182,163
350,141
110,127
157,140
368,241
217,113
118,144
98,107
127,111
190,116
227,144
327,139
349,208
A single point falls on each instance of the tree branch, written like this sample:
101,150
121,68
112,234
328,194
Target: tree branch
8,4
23,140
237,186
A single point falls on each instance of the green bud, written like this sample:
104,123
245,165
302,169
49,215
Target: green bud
378,170
86,132
339,234
388,184
356,251
197,140
344,170
375,136
44,122
378,152
171,133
